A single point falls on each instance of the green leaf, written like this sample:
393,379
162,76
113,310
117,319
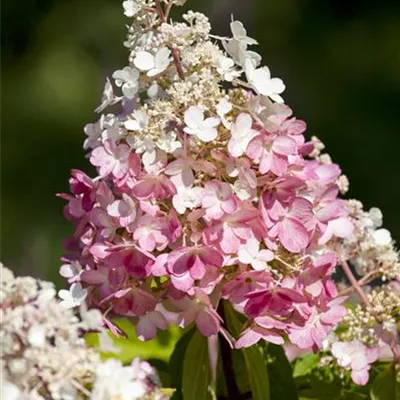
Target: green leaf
280,374
253,356
196,377
304,365
130,347
175,365
312,387
385,386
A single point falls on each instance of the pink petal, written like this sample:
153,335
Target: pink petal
279,164
93,277
212,257
247,339
293,235
284,145
207,322
197,269
360,377
183,282
229,206
146,329
159,267
272,337
229,243
143,189
301,337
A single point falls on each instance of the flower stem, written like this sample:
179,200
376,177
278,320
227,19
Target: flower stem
355,283
227,361
177,62
364,281
357,287
160,10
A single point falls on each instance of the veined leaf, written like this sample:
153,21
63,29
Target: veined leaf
176,361
305,364
280,374
253,356
196,377
385,386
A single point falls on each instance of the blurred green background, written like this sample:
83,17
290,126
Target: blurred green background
339,59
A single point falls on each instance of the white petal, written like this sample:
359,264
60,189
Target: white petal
207,135
77,292
194,117
132,125
277,98
244,256
238,29
277,85
224,107
129,90
37,336
259,265
144,61
162,59
253,246
66,271
211,122
382,237
64,294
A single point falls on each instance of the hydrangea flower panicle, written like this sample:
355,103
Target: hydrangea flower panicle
207,190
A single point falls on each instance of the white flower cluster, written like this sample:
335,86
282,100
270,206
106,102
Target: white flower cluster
371,248
159,58
44,355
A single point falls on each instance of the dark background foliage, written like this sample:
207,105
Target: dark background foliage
339,59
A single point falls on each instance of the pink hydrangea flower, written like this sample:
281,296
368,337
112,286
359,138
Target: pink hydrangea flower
317,325
188,264
217,199
357,357
149,324
111,159
198,201
200,311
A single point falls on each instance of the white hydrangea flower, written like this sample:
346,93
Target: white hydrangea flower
128,79
224,107
376,217
72,270
93,133
153,65
113,381
261,81
93,318
144,146
132,7
63,390
37,336
196,124
250,253
244,190
225,66
106,344
138,122
382,237
155,91
73,297
108,98
242,133
187,198
9,391
237,46
240,34
169,142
